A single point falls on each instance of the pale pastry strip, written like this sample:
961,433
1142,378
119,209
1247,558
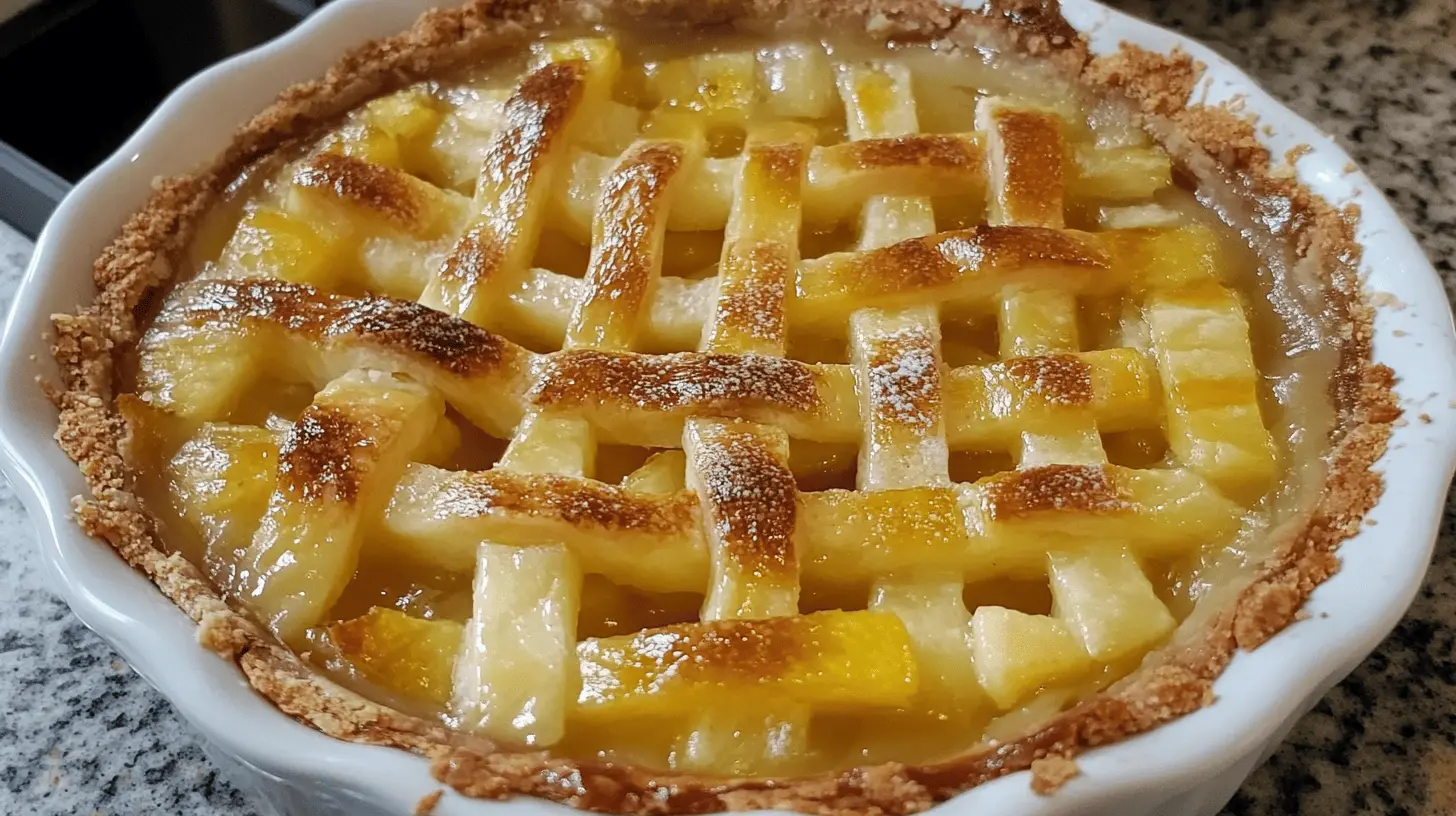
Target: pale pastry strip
655,541
760,249
516,675
896,357
212,342
627,232
340,458
739,470
896,354
1025,155
520,167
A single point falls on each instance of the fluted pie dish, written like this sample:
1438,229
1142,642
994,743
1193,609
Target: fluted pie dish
675,407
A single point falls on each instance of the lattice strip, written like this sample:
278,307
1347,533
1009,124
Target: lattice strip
897,362
1201,339
1025,154
337,461
627,235
519,168
517,673
740,469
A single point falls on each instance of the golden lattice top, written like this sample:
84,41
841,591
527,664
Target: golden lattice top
894,384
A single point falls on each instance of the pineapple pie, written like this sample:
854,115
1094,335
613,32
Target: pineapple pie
668,406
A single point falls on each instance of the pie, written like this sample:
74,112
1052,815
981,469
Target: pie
667,406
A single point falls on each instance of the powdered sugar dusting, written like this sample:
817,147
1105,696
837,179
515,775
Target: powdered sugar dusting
905,378
671,382
749,495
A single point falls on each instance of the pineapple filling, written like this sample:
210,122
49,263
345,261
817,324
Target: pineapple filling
1049,413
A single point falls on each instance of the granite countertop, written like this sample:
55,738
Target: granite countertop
82,734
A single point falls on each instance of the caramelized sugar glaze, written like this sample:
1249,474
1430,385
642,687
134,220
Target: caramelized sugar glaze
911,395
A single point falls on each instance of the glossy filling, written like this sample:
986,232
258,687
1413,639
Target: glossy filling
736,408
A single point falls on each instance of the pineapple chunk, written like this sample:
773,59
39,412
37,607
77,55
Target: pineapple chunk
551,444
516,675
341,458
843,659
599,53
800,81
663,472
1108,602
220,484
196,374
440,446
409,118
1016,653
718,86
273,243
1150,259
393,131
1120,174
406,655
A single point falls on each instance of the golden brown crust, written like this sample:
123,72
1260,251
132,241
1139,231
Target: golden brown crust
943,153
398,327
631,215
581,503
750,497
944,258
720,383
1029,147
379,189
535,118
1084,488
904,381
141,260
1056,379
319,461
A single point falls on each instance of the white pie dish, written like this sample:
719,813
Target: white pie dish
1189,766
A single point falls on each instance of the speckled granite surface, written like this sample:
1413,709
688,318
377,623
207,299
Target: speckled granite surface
81,734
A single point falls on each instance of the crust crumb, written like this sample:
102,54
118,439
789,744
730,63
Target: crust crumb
427,803
1386,300
1159,83
1049,774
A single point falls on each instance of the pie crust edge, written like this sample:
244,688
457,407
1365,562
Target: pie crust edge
139,264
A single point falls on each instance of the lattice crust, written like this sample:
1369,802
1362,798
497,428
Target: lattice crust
451,201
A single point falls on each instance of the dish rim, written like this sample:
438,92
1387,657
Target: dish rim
128,612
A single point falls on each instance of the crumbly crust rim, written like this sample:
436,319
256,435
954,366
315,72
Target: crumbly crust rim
140,264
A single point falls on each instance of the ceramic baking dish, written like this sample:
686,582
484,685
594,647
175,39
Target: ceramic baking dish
1190,766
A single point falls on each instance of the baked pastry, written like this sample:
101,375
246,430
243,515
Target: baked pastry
832,409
